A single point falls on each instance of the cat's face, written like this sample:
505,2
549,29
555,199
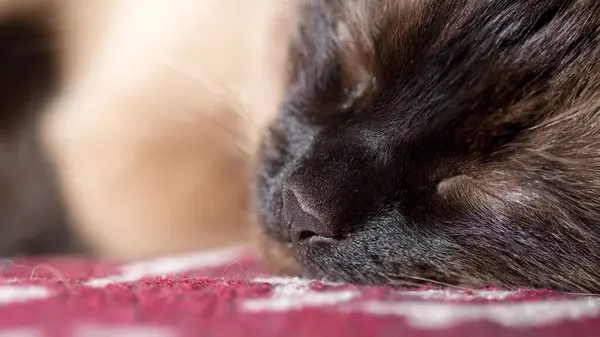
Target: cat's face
441,140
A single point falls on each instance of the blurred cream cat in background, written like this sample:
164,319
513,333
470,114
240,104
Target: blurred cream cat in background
152,128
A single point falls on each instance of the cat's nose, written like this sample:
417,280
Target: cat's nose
304,219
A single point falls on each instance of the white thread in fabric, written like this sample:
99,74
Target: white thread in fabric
123,331
13,293
9,280
293,294
437,294
436,315
173,264
20,333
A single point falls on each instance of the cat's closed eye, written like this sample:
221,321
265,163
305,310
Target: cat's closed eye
472,159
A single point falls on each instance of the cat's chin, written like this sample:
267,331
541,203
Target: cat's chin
283,259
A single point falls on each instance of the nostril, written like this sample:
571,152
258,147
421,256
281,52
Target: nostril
305,235
304,222
304,226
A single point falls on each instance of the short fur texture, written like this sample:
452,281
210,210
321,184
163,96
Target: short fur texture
453,141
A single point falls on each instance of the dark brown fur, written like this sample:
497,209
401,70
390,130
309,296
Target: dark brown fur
31,215
449,140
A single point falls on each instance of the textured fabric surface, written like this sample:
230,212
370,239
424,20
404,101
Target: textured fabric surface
226,294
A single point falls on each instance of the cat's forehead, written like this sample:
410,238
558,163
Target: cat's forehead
367,36
438,46
333,52
468,73
356,46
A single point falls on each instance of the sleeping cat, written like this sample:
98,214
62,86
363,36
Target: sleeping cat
453,141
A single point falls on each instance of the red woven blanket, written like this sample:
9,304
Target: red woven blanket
226,294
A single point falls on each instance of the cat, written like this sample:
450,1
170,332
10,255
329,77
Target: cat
417,141
437,141
133,123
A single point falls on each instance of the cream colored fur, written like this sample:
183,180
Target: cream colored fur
159,114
